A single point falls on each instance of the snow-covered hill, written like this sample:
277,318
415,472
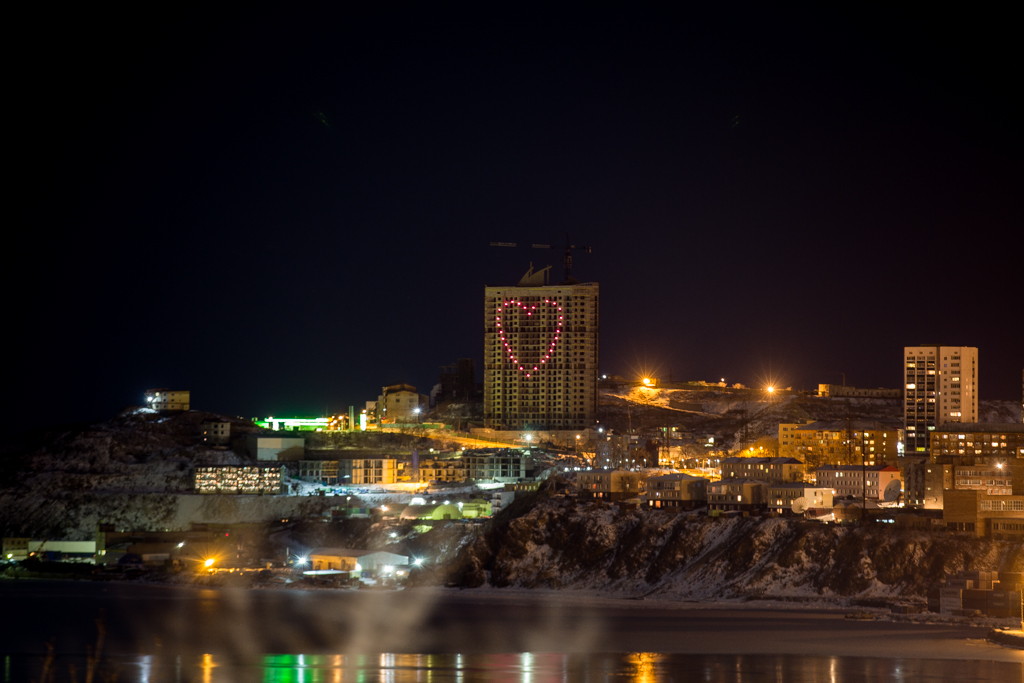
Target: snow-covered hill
558,543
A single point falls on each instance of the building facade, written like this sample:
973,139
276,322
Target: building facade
250,479
737,494
216,432
541,353
165,399
762,469
838,390
859,481
609,485
677,492
399,403
504,466
940,386
842,442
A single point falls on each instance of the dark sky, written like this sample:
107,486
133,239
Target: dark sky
283,211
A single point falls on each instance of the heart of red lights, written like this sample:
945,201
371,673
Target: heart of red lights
524,316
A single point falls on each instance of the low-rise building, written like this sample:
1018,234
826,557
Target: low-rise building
677,491
880,482
737,494
349,559
165,399
216,432
978,513
965,443
762,469
796,498
608,484
838,390
261,479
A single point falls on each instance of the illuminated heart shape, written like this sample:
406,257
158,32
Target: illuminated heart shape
539,327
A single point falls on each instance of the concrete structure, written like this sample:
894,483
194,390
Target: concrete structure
922,483
541,354
677,492
941,386
762,469
317,471
972,443
842,442
442,470
737,494
300,424
368,471
276,447
165,399
505,466
836,390
349,559
216,432
610,485
262,479
399,403
849,480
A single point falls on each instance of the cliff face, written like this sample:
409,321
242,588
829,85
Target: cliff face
557,543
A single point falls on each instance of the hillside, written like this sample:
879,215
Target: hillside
557,543
741,416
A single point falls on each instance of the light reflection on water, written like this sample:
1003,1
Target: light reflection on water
637,667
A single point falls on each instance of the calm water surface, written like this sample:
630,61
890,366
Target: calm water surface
516,668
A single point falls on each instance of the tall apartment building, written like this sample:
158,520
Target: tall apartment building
541,354
940,386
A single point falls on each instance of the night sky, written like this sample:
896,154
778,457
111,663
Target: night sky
284,211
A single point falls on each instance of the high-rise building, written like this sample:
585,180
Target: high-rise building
541,354
940,386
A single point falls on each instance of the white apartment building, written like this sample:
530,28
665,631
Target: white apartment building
541,354
940,386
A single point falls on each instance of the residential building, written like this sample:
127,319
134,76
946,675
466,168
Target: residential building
677,492
923,483
787,441
781,497
737,494
262,479
843,442
836,390
763,469
399,403
877,482
970,443
541,354
940,386
609,485
276,447
165,399
216,432
505,466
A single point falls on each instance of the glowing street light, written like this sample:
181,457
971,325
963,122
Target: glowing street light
208,563
647,381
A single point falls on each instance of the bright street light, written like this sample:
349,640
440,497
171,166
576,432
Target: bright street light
208,563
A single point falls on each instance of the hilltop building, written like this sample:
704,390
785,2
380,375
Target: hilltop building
941,385
541,354
165,399
762,469
837,390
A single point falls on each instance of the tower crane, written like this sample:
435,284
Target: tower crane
566,259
